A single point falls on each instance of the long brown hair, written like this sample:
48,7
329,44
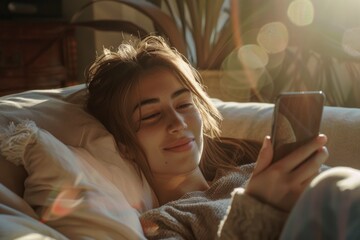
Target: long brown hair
114,74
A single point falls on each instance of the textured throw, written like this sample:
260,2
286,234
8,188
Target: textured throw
197,215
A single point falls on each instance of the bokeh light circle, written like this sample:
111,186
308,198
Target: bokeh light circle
273,37
301,12
253,56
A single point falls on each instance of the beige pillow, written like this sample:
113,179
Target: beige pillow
61,112
69,189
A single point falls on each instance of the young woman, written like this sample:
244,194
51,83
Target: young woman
150,98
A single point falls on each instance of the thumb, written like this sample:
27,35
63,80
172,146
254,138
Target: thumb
265,156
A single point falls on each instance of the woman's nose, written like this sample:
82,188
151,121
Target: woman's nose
176,122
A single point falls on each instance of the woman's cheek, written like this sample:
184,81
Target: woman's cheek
148,136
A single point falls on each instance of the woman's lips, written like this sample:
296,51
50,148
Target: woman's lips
180,145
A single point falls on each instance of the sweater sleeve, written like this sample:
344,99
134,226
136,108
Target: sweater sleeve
248,218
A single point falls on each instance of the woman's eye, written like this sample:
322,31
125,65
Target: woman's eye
150,116
185,105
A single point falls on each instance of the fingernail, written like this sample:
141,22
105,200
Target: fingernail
266,141
323,137
324,154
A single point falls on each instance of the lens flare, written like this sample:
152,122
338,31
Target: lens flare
253,56
65,203
66,200
273,37
301,12
351,42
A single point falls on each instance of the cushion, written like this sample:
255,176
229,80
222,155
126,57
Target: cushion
61,112
69,189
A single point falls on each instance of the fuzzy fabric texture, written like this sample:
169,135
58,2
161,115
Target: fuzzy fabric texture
15,138
198,215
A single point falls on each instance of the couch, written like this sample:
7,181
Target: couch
66,179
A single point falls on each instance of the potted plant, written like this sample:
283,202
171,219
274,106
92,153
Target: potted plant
222,39
200,29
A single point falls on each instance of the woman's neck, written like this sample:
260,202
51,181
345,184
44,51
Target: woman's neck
170,187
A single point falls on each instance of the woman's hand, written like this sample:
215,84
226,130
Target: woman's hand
280,184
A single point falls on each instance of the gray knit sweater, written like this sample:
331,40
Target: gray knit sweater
221,212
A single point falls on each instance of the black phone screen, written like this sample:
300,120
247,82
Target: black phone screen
297,118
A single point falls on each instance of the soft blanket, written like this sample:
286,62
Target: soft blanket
200,215
19,221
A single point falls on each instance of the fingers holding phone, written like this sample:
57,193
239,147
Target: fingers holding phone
297,150
280,184
313,153
307,170
295,135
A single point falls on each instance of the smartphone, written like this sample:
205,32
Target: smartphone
296,120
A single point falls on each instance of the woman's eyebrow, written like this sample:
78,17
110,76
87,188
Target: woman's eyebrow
179,92
156,100
146,101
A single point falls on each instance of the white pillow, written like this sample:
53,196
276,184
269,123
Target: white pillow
67,188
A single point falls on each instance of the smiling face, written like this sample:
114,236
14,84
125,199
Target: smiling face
169,125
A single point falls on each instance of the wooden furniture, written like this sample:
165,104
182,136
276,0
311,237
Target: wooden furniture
36,54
